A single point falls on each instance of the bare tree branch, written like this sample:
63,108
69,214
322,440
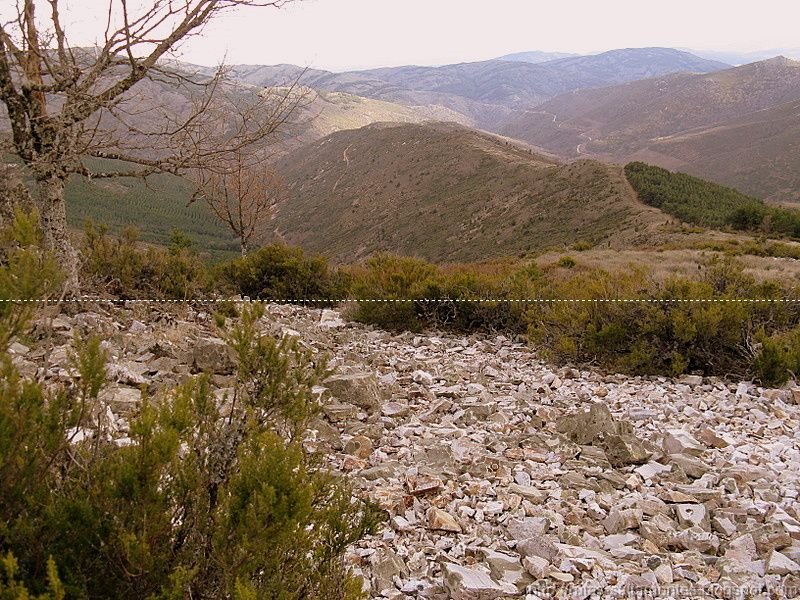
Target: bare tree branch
66,104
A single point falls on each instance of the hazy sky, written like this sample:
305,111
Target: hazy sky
342,34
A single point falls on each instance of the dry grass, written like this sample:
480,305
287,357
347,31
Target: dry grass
685,262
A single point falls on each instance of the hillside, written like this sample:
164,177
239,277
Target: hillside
329,112
447,193
160,205
734,126
742,58
758,153
155,208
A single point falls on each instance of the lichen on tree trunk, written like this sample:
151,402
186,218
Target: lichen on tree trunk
13,193
53,215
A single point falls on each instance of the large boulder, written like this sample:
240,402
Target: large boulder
122,400
598,427
625,449
471,584
360,389
584,427
387,566
214,356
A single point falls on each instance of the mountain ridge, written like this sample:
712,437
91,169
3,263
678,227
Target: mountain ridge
661,119
486,92
448,193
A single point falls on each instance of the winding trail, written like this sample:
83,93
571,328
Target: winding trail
346,160
588,139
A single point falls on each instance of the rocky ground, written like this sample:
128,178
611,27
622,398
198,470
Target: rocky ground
503,476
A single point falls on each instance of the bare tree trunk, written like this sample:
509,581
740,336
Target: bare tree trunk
53,215
244,247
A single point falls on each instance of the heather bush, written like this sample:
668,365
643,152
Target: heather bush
122,267
280,272
404,282
622,321
670,327
778,357
207,498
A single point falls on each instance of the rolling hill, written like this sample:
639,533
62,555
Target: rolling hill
738,126
447,193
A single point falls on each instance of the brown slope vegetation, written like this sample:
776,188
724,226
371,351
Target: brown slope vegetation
448,193
758,154
733,126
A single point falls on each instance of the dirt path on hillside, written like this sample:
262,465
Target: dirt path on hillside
346,160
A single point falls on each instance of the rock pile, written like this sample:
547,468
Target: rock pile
503,477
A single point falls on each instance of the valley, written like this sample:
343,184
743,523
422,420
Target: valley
735,126
657,105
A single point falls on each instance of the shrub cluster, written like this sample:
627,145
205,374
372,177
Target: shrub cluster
670,327
701,202
410,284
124,268
754,247
574,314
679,325
281,272
206,499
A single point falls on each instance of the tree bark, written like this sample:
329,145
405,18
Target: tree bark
13,194
244,247
53,215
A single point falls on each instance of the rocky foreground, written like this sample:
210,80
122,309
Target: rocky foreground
503,476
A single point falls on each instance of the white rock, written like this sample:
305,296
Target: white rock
779,564
537,566
652,470
472,584
679,441
423,378
330,319
690,515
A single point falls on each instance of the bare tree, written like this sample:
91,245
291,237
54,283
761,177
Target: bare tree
242,196
66,104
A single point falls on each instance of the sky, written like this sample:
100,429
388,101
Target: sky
348,34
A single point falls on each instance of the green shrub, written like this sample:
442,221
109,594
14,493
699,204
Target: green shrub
582,245
701,202
125,269
202,502
26,273
674,327
279,272
778,358
467,297
566,262
391,291
11,588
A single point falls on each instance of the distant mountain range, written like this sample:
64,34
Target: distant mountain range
734,58
372,164
739,126
487,93
536,56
